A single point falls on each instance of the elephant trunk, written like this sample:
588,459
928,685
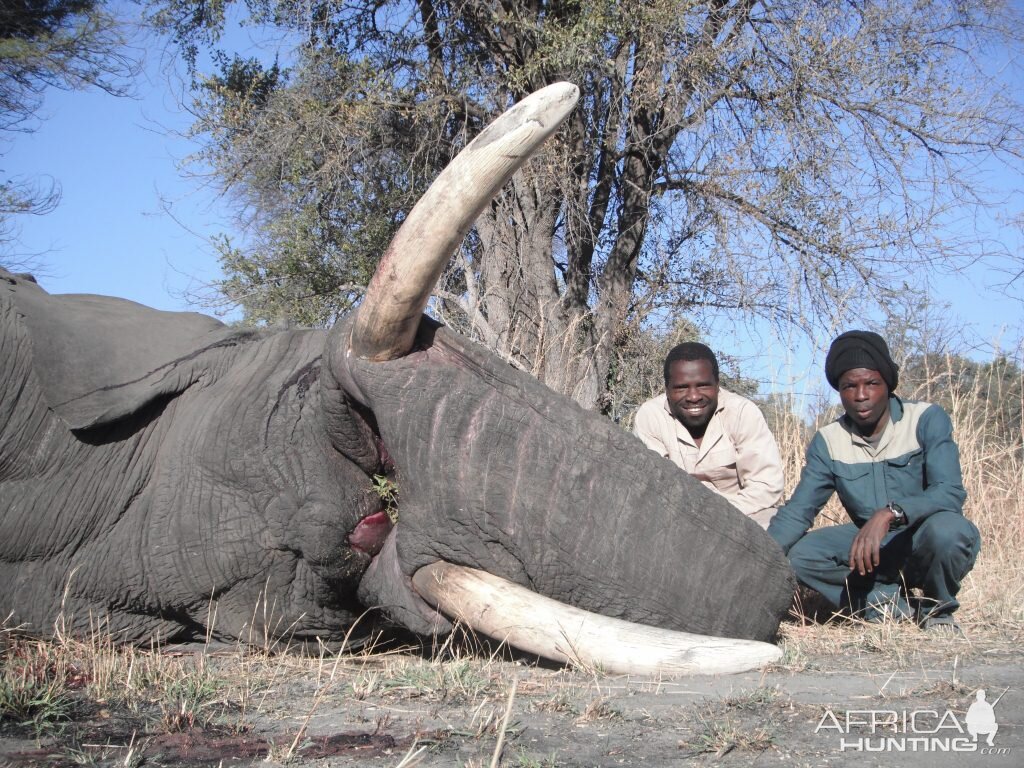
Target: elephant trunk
500,474
389,315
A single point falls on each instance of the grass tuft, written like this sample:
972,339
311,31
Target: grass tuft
36,685
717,731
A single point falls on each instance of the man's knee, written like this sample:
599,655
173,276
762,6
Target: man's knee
812,554
947,534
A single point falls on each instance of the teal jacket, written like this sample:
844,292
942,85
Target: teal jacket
916,465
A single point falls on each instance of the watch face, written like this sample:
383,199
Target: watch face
898,516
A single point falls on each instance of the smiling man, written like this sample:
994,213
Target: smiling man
897,472
717,436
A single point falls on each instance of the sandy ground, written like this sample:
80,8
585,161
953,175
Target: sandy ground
813,712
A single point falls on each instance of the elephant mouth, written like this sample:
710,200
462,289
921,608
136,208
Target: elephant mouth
369,534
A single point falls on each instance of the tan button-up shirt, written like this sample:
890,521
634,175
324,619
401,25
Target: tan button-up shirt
738,457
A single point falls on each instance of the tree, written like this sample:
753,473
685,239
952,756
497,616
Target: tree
50,44
790,160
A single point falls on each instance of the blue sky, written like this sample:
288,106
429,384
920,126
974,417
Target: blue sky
130,225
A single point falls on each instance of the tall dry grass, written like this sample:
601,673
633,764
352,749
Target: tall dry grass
993,467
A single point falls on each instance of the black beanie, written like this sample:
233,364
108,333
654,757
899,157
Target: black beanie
860,349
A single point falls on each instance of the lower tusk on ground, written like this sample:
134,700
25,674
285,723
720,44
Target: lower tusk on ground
536,624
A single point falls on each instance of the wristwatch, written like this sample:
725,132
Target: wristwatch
899,517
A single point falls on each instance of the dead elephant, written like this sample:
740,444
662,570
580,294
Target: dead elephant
185,479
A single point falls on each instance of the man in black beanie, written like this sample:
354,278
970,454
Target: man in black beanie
897,472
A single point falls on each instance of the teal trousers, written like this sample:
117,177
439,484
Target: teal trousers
935,555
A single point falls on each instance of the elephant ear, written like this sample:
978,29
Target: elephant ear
99,359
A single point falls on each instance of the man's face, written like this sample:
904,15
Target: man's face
865,397
692,392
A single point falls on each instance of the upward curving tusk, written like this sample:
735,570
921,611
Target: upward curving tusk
389,315
510,613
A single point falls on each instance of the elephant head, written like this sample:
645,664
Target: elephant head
177,477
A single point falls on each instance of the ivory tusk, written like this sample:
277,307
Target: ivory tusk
387,320
531,622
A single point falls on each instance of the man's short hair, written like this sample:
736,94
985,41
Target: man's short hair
691,350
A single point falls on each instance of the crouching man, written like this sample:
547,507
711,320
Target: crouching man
897,472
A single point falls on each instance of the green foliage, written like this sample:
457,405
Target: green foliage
454,680
387,490
740,722
56,43
317,165
188,701
525,760
192,23
246,81
719,733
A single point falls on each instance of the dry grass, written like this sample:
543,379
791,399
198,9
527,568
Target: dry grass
717,729
993,594
46,684
43,680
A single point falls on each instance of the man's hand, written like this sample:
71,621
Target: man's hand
865,548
